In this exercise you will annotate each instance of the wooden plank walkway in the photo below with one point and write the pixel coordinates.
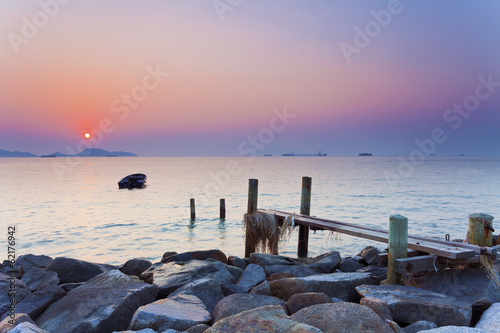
(437, 247)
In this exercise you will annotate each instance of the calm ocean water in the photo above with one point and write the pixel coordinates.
(82, 213)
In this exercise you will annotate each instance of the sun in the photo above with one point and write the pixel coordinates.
(87, 135)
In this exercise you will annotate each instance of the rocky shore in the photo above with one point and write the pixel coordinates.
(206, 291)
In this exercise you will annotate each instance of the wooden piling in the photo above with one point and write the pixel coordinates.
(222, 209)
(480, 229)
(398, 244)
(253, 186)
(193, 212)
(305, 209)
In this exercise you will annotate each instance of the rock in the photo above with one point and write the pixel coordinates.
(378, 272)
(16, 271)
(178, 312)
(135, 266)
(328, 262)
(34, 262)
(350, 265)
(490, 320)
(5, 326)
(379, 306)
(295, 270)
(271, 318)
(70, 286)
(173, 275)
(198, 328)
(252, 276)
(454, 329)
(370, 255)
(27, 327)
(237, 303)
(207, 290)
(22, 291)
(74, 270)
(103, 304)
(342, 317)
(168, 254)
(237, 262)
(234, 271)
(264, 259)
(421, 325)
(197, 255)
(146, 330)
(409, 305)
(262, 289)
(299, 301)
(40, 279)
(40, 300)
(471, 285)
(231, 288)
(279, 276)
(340, 285)
(395, 327)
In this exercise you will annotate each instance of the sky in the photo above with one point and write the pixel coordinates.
(240, 77)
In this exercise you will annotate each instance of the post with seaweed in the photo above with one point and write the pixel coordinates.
(253, 186)
(480, 229)
(222, 210)
(305, 209)
(193, 213)
(398, 244)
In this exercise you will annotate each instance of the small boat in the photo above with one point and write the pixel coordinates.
(365, 154)
(136, 180)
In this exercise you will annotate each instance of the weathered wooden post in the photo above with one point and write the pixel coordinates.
(222, 210)
(398, 244)
(305, 209)
(253, 186)
(193, 213)
(480, 229)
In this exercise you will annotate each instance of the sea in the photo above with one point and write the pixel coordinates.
(72, 207)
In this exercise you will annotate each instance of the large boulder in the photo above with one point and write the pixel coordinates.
(379, 306)
(40, 279)
(74, 270)
(252, 276)
(40, 300)
(271, 318)
(299, 301)
(409, 305)
(342, 317)
(27, 327)
(262, 289)
(420, 326)
(369, 255)
(8, 323)
(34, 262)
(103, 304)
(339, 285)
(173, 275)
(471, 285)
(135, 266)
(490, 320)
(237, 303)
(197, 255)
(8, 283)
(231, 288)
(178, 312)
(327, 262)
(264, 259)
(207, 290)
(350, 265)
(237, 262)
(295, 270)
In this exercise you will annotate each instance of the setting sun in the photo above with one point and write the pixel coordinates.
(87, 135)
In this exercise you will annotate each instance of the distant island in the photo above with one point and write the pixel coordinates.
(91, 152)
(365, 154)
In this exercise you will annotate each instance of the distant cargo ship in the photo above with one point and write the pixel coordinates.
(365, 154)
(320, 153)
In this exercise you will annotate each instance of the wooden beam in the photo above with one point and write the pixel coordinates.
(397, 245)
(305, 209)
(430, 262)
(253, 194)
(382, 257)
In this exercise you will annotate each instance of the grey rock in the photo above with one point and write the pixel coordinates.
(395, 327)
(350, 265)
(340, 285)
(454, 329)
(299, 301)
(135, 266)
(328, 262)
(146, 330)
(105, 303)
(264, 259)
(74, 270)
(342, 317)
(409, 305)
(379, 306)
(198, 328)
(173, 275)
(70, 286)
(231, 288)
(490, 320)
(236, 272)
(18, 318)
(40, 279)
(421, 325)
(252, 276)
(197, 255)
(370, 254)
(237, 303)
(31, 262)
(237, 262)
(295, 270)
(40, 300)
(207, 290)
(262, 289)
(22, 291)
(27, 327)
(167, 255)
(178, 312)
(271, 318)
(378, 272)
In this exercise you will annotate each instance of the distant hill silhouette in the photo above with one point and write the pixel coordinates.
(94, 152)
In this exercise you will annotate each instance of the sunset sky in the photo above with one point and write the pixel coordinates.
(192, 77)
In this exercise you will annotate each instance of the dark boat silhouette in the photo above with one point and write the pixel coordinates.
(136, 180)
